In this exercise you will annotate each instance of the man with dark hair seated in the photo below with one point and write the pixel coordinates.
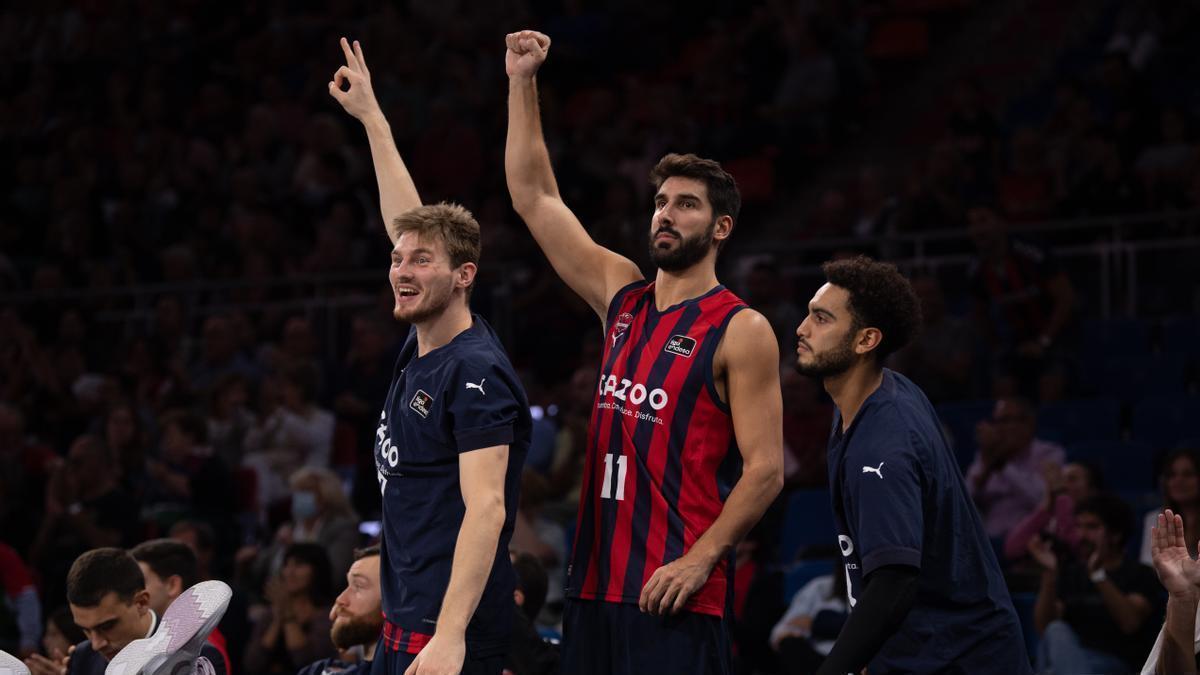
(1099, 610)
(169, 568)
(528, 653)
(110, 603)
(357, 617)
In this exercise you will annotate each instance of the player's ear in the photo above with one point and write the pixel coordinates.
(723, 228)
(868, 339)
(464, 276)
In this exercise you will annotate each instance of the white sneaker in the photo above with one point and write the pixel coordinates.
(11, 665)
(175, 646)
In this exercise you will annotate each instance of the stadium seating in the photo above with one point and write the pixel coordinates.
(1082, 420)
(959, 420)
(1165, 422)
(808, 522)
(801, 573)
(1127, 465)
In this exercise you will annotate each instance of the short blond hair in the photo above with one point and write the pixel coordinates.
(451, 223)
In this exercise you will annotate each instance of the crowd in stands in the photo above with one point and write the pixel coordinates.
(169, 149)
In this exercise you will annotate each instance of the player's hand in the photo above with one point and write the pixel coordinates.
(1042, 552)
(359, 99)
(526, 53)
(1179, 574)
(671, 585)
(40, 665)
(443, 655)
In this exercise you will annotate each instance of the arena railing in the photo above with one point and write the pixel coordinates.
(1106, 255)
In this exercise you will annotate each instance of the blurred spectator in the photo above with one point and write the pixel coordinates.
(21, 611)
(805, 634)
(939, 358)
(169, 568)
(1026, 188)
(528, 653)
(1180, 485)
(975, 130)
(767, 292)
(85, 509)
(61, 634)
(200, 538)
(321, 514)
(1006, 478)
(357, 616)
(27, 464)
(1055, 517)
(1098, 611)
(125, 442)
(297, 347)
(186, 475)
(1023, 303)
(229, 418)
(219, 355)
(806, 420)
(293, 629)
(295, 433)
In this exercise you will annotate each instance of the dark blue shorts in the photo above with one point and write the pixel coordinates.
(612, 638)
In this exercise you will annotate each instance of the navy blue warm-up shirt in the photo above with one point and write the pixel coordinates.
(460, 397)
(899, 499)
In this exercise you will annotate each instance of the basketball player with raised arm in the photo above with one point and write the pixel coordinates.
(685, 440)
(452, 436)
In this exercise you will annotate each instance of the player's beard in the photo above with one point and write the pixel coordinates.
(689, 251)
(435, 298)
(356, 630)
(830, 363)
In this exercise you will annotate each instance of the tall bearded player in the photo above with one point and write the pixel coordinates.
(685, 442)
(452, 437)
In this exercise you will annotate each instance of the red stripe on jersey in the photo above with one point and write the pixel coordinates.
(678, 476)
(627, 531)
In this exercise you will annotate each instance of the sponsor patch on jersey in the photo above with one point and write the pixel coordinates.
(421, 403)
(681, 345)
(620, 326)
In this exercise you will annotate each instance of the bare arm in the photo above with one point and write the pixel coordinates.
(591, 270)
(397, 192)
(481, 476)
(1128, 610)
(1179, 574)
(749, 356)
(1047, 608)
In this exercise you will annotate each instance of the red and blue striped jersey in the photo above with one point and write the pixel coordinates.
(661, 453)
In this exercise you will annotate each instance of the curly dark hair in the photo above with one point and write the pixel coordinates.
(880, 297)
(723, 192)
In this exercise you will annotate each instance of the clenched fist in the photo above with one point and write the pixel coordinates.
(527, 51)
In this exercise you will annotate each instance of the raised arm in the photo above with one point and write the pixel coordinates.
(1179, 574)
(591, 270)
(749, 358)
(397, 193)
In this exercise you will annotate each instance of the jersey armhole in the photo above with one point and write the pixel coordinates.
(615, 303)
(710, 351)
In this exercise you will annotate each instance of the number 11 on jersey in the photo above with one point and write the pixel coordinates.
(606, 490)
